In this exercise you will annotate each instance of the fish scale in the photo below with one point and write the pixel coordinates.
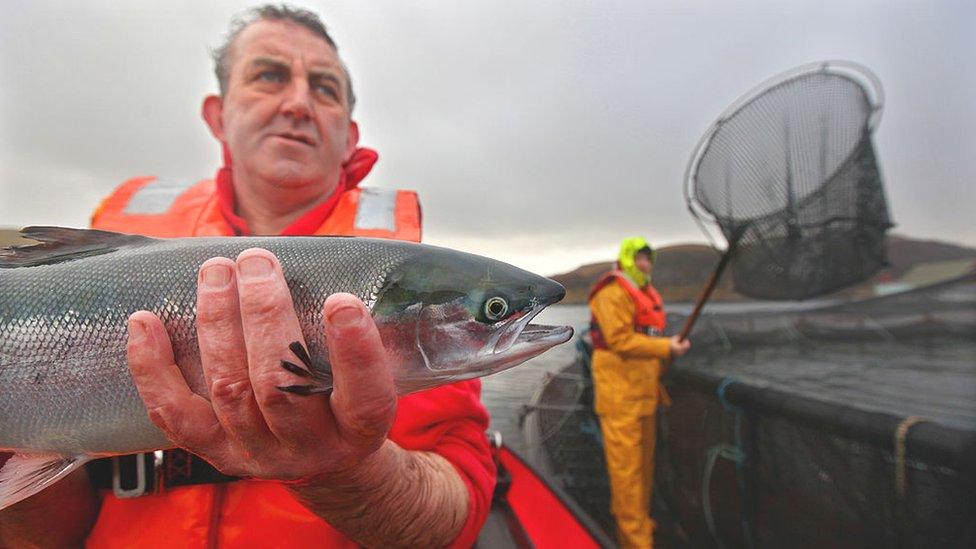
(73, 315)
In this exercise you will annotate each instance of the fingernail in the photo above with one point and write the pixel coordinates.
(255, 267)
(137, 331)
(216, 276)
(346, 316)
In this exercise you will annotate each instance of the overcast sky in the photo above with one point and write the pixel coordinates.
(536, 132)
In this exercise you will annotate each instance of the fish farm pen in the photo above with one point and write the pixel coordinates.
(846, 425)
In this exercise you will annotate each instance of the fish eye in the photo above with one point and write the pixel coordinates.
(496, 308)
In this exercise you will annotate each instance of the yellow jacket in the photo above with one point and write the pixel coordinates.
(625, 377)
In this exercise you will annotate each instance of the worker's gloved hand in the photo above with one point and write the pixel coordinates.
(679, 346)
(245, 323)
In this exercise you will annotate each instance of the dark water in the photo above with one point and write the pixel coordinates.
(933, 378)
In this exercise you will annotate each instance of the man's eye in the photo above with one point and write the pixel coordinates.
(270, 76)
(328, 91)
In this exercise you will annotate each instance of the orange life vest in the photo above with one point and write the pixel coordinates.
(173, 208)
(649, 315)
(244, 513)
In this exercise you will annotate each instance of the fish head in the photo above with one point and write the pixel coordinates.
(447, 316)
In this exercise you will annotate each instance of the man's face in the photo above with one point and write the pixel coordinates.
(285, 112)
(643, 262)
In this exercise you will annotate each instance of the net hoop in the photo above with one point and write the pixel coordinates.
(858, 74)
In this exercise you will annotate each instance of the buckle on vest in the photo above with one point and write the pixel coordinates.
(649, 330)
(137, 475)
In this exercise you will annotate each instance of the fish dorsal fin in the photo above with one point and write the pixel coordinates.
(23, 475)
(60, 244)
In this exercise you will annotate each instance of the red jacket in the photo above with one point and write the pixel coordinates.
(448, 420)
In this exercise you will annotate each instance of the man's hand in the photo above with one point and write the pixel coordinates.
(333, 448)
(679, 346)
(245, 323)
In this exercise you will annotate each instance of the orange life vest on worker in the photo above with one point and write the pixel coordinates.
(649, 315)
(242, 513)
(172, 208)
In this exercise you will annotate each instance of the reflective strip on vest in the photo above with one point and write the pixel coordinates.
(376, 209)
(157, 196)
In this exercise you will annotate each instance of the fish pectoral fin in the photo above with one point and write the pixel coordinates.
(305, 390)
(295, 369)
(301, 352)
(23, 475)
(319, 372)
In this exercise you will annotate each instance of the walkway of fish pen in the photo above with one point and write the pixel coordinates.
(852, 425)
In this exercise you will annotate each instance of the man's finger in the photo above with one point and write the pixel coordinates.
(223, 353)
(270, 325)
(364, 396)
(185, 417)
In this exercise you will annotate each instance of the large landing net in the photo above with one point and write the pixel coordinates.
(789, 176)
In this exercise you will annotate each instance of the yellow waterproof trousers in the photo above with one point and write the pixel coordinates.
(628, 443)
(627, 393)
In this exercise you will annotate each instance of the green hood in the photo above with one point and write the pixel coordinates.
(628, 250)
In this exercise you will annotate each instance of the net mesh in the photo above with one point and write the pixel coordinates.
(790, 178)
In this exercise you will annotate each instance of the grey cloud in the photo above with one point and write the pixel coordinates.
(553, 123)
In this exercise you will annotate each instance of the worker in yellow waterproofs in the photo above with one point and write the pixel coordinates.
(630, 350)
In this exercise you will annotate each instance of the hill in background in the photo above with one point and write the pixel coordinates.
(10, 237)
(681, 271)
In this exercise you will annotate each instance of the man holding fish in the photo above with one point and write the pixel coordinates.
(324, 457)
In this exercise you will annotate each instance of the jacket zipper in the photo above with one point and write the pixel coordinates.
(213, 532)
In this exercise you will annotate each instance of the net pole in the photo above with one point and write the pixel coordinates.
(707, 292)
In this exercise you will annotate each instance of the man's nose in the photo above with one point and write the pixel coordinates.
(297, 100)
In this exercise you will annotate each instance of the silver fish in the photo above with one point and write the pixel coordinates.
(65, 391)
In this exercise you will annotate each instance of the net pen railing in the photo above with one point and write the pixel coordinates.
(945, 308)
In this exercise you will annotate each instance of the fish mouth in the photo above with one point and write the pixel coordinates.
(531, 341)
(484, 350)
(519, 332)
(518, 342)
(543, 335)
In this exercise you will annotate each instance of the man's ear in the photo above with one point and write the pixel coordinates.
(212, 111)
(352, 140)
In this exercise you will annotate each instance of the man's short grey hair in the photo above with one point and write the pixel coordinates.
(273, 12)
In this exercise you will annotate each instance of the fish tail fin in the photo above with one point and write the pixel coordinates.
(23, 475)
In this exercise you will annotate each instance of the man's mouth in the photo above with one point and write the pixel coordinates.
(299, 137)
